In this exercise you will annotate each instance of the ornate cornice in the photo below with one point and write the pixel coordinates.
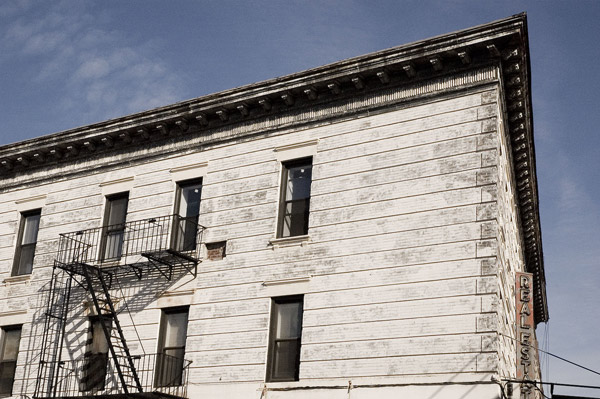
(414, 70)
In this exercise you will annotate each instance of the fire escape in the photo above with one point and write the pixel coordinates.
(93, 263)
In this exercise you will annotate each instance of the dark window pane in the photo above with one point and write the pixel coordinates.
(285, 360)
(298, 185)
(117, 212)
(295, 221)
(288, 320)
(11, 338)
(7, 377)
(26, 259)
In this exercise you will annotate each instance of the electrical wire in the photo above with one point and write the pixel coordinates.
(551, 354)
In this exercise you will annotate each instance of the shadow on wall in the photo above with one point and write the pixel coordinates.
(129, 294)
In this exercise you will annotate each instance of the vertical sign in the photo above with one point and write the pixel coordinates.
(525, 327)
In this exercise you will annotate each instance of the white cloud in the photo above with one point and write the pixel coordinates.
(99, 72)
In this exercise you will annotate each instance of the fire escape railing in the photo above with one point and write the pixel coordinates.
(95, 376)
(156, 238)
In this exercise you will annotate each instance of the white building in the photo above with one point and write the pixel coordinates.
(351, 231)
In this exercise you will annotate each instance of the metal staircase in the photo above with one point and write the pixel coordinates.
(151, 247)
(117, 345)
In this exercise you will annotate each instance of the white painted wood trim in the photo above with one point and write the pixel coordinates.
(285, 287)
(170, 299)
(187, 172)
(117, 186)
(13, 317)
(302, 240)
(26, 204)
(296, 150)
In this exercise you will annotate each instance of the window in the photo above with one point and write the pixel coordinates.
(171, 347)
(28, 232)
(93, 375)
(11, 338)
(114, 226)
(295, 198)
(187, 209)
(284, 341)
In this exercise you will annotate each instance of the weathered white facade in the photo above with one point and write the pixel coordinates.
(423, 206)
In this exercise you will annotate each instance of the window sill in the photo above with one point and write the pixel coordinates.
(289, 241)
(21, 279)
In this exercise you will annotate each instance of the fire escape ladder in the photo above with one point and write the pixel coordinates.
(56, 312)
(115, 339)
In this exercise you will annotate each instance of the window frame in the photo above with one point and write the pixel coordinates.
(285, 168)
(106, 228)
(19, 248)
(160, 359)
(3, 330)
(271, 354)
(177, 218)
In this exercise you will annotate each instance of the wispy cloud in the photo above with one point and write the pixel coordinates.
(96, 71)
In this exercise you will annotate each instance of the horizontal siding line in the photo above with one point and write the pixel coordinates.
(403, 148)
(154, 194)
(227, 365)
(304, 326)
(366, 235)
(404, 180)
(398, 122)
(401, 337)
(362, 130)
(235, 223)
(138, 186)
(341, 272)
(44, 214)
(366, 287)
(226, 317)
(232, 349)
(400, 356)
(425, 130)
(405, 213)
(371, 235)
(405, 164)
(234, 208)
(238, 193)
(255, 330)
(246, 177)
(404, 231)
(456, 334)
(312, 257)
(348, 289)
(213, 171)
(345, 378)
(403, 301)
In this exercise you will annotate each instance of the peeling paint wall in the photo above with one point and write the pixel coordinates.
(402, 272)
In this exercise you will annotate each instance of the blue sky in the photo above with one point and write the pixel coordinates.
(65, 64)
